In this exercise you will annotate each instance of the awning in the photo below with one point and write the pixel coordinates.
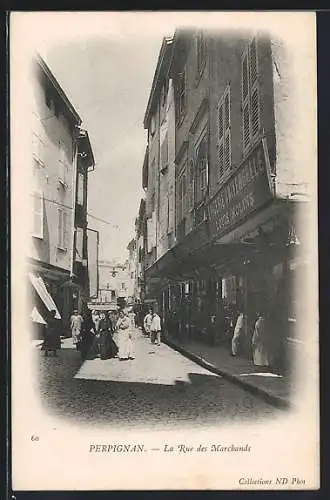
(43, 293)
(36, 317)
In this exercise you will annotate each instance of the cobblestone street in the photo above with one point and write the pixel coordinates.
(159, 387)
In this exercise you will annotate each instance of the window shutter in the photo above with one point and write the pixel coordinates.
(220, 122)
(79, 244)
(255, 112)
(227, 112)
(80, 197)
(38, 215)
(60, 228)
(227, 162)
(245, 77)
(246, 124)
(164, 152)
(65, 230)
(221, 158)
(253, 62)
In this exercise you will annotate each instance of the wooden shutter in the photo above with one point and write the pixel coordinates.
(221, 158)
(220, 121)
(226, 111)
(227, 161)
(65, 231)
(253, 62)
(164, 152)
(246, 124)
(38, 215)
(255, 112)
(79, 244)
(80, 197)
(60, 228)
(245, 77)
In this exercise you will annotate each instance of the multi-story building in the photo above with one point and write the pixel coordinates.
(141, 246)
(238, 181)
(62, 155)
(159, 164)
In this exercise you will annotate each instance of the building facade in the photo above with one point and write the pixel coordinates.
(116, 285)
(58, 281)
(241, 189)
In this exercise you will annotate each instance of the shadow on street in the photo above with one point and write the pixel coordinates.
(201, 398)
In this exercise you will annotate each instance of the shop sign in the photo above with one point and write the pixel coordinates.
(246, 191)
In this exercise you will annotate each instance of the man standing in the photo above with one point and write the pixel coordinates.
(155, 329)
(76, 324)
(147, 322)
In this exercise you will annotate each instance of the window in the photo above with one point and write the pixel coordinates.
(108, 286)
(201, 184)
(182, 196)
(164, 153)
(223, 133)
(181, 95)
(163, 101)
(201, 52)
(38, 215)
(123, 286)
(152, 125)
(62, 229)
(113, 294)
(79, 243)
(38, 149)
(48, 99)
(63, 163)
(80, 194)
(250, 96)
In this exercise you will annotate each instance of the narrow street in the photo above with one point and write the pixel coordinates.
(159, 387)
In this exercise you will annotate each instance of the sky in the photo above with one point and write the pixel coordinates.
(108, 80)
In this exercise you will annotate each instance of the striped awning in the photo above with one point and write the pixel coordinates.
(41, 289)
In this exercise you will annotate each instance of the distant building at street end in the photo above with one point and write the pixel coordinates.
(116, 285)
(61, 159)
(220, 118)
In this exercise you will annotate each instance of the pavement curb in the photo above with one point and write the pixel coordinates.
(267, 396)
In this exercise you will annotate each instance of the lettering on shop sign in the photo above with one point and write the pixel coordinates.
(248, 189)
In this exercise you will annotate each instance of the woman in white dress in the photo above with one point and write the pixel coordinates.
(259, 344)
(124, 337)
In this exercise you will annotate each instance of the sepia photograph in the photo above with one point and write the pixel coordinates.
(164, 251)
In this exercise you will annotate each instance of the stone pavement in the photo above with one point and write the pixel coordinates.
(159, 387)
(274, 388)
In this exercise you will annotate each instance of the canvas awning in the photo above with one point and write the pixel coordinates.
(40, 287)
(36, 317)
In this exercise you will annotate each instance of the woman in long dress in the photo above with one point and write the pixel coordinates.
(259, 344)
(52, 340)
(107, 347)
(87, 335)
(124, 337)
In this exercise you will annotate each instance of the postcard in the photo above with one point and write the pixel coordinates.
(164, 251)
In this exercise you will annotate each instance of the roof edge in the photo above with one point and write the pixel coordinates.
(49, 74)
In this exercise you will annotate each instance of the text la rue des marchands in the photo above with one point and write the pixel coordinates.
(169, 448)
